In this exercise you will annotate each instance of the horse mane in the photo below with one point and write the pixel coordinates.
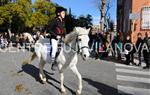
(74, 33)
(69, 37)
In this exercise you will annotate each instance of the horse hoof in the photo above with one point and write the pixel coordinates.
(44, 80)
(77, 93)
(63, 93)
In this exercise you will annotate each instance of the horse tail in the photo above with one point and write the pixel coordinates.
(30, 59)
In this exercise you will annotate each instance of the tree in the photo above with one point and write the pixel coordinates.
(103, 6)
(21, 15)
(70, 22)
(15, 15)
(111, 25)
(103, 3)
(6, 15)
(21, 18)
(3, 2)
(89, 20)
(43, 12)
(84, 21)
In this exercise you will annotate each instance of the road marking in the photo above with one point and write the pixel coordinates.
(133, 79)
(123, 65)
(133, 90)
(133, 71)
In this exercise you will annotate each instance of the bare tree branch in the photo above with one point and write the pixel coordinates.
(104, 7)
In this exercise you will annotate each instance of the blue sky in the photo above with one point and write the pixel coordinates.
(84, 7)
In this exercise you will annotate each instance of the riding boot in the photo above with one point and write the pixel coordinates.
(54, 64)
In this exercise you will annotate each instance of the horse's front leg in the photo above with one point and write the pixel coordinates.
(41, 73)
(76, 72)
(63, 90)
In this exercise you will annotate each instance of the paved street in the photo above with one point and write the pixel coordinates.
(100, 77)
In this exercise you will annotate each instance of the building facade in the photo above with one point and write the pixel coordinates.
(133, 17)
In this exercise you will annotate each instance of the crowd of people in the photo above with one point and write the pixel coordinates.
(141, 47)
(104, 44)
(18, 39)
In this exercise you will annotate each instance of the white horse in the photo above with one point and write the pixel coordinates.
(29, 37)
(74, 42)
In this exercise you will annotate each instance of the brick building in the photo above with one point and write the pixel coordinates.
(133, 17)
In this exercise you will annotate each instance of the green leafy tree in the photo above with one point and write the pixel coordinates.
(21, 16)
(39, 20)
(6, 14)
(15, 15)
(43, 12)
(89, 20)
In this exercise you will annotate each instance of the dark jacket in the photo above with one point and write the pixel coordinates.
(139, 44)
(56, 27)
(147, 42)
(128, 45)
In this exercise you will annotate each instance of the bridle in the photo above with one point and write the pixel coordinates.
(77, 41)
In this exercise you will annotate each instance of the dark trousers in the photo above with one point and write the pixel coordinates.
(146, 56)
(139, 55)
(129, 58)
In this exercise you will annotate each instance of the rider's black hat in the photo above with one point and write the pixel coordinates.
(60, 9)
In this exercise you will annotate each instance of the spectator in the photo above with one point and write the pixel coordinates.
(146, 52)
(119, 44)
(2, 44)
(6, 39)
(92, 36)
(129, 49)
(117, 41)
(139, 47)
(21, 40)
(13, 39)
(17, 40)
(92, 43)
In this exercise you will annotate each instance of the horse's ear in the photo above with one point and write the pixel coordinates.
(76, 29)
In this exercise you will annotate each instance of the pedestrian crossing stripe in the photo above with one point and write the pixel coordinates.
(133, 71)
(128, 90)
(123, 65)
(133, 79)
(132, 90)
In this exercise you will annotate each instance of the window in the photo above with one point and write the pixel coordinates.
(145, 21)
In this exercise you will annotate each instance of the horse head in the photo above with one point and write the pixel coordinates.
(83, 39)
(81, 36)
